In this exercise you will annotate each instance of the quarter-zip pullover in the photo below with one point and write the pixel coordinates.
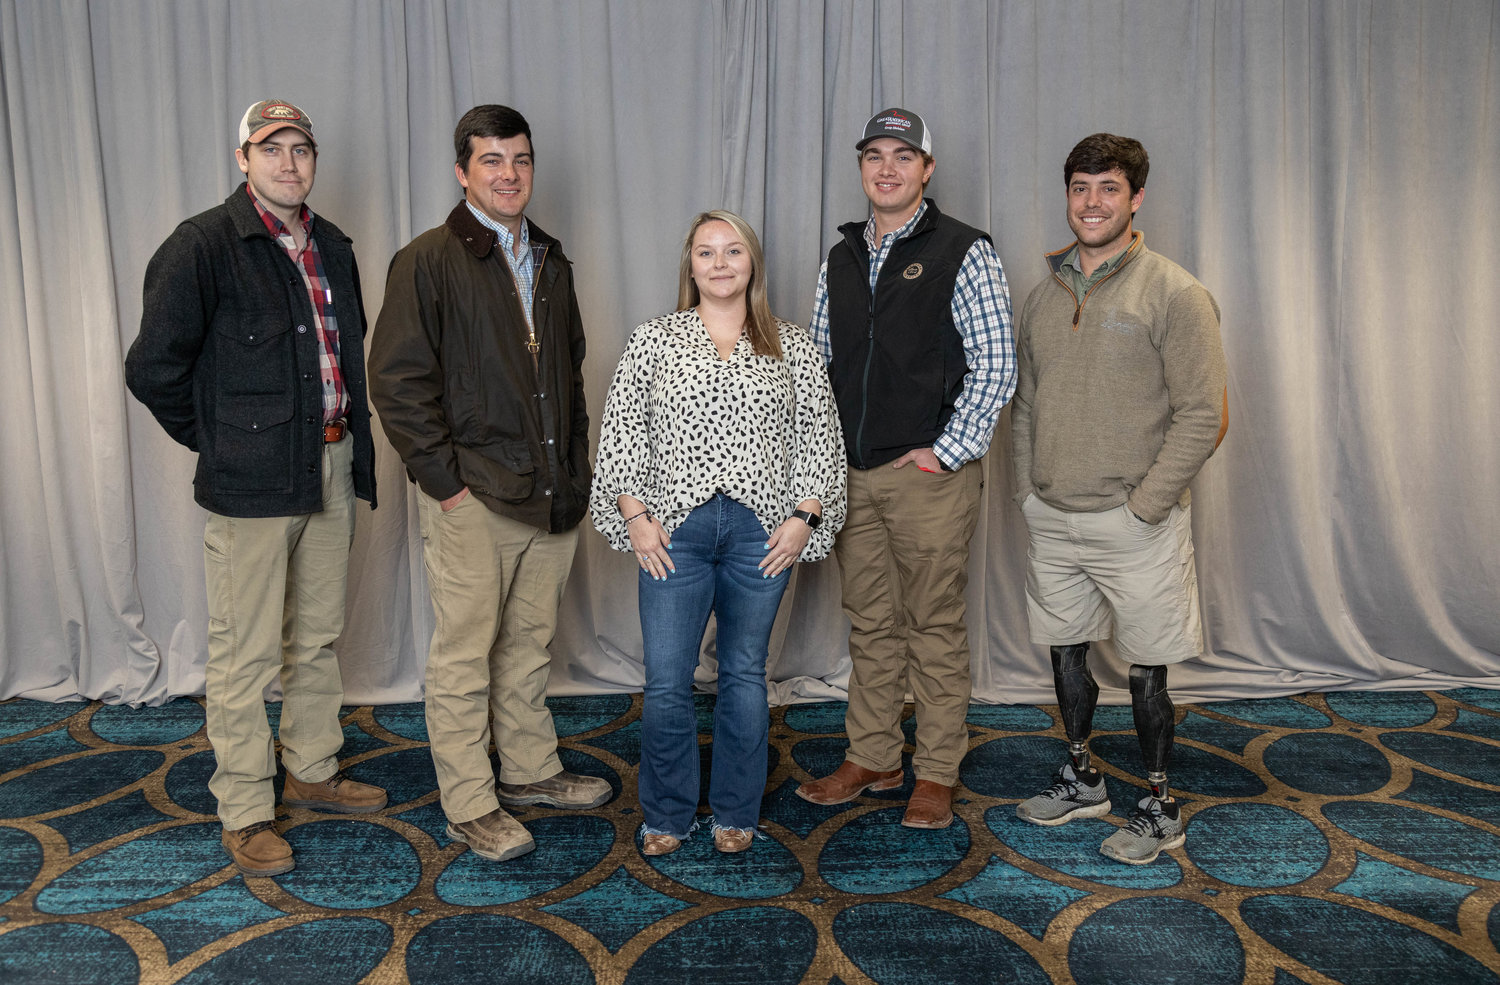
(1121, 392)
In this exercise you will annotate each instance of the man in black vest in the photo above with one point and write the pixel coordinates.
(913, 315)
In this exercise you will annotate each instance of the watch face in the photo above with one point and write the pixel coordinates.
(810, 518)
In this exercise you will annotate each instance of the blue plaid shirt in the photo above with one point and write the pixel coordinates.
(523, 268)
(981, 312)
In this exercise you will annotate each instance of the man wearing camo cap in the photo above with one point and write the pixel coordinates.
(251, 353)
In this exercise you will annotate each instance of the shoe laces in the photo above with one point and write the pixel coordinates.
(336, 779)
(1062, 788)
(251, 830)
(1147, 818)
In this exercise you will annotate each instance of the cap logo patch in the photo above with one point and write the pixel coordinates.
(280, 111)
(912, 272)
(895, 122)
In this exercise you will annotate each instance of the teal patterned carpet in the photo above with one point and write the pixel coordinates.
(1349, 838)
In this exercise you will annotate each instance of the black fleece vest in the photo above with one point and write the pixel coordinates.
(898, 360)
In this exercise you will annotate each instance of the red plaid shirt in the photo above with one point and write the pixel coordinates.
(309, 263)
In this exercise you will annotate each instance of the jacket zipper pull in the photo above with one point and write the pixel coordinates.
(1077, 310)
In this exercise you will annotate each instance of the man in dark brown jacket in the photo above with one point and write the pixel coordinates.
(476, 372)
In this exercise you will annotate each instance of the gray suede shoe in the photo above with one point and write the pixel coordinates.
(565, 790)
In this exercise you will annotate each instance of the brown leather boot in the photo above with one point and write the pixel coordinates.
(564, 790)
(337, 794)
(846, 783)
(496, 836)
(659, 844)
(731, 841)
(257, 850)
(931, 806)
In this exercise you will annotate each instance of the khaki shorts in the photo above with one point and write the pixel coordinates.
(1093, 575)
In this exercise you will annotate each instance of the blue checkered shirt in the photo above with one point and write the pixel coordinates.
(981, 312)
(523, 268)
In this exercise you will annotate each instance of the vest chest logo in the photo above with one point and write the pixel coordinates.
(912, 272)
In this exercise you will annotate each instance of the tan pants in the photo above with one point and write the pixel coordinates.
(275, 605)
(1090, 576)
(495, 584)
(904, 559)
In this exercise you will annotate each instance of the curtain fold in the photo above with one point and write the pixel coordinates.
(1323, 168)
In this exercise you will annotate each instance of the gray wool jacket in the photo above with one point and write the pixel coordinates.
(227, 361)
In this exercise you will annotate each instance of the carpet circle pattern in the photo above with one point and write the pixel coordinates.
(1350, 838)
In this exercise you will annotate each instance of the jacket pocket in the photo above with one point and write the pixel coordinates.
(501, 470)
(254, 351)
(253, 443)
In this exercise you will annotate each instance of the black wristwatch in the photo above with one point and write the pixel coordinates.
(813, 520)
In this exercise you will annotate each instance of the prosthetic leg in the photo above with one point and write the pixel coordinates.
(1078, 790)
(1155, 723)
(1077, 696)
(1156, 823)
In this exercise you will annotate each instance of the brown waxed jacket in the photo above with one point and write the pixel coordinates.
(460, 397)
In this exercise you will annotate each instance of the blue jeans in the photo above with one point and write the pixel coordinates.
(716, 551)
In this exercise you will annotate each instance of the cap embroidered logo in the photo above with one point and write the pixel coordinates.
(280, 111)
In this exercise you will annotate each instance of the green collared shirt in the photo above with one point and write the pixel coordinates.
(1072, 273)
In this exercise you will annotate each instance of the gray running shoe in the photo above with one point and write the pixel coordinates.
(1151, 830)
(1068, 797)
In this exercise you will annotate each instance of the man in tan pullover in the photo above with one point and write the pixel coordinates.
(1120, 399)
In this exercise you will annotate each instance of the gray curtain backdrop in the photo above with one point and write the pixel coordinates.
(1325, 168)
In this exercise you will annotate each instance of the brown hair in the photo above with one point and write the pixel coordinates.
(488, 120)
(759, 322)
(1101, 152)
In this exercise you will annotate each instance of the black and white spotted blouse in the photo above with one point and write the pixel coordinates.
(681, 424)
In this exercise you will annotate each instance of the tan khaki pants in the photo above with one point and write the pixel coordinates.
(904, 559)
(275, 605)
(1090, 576)
(495, 584)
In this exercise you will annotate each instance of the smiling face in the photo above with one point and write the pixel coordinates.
(497, 180)
(280, 171)
(721, 266)
(894, 174)
(1100, 207)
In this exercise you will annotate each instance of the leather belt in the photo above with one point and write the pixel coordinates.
(333, 432)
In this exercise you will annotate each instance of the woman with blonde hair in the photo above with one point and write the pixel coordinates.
(721, 464)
